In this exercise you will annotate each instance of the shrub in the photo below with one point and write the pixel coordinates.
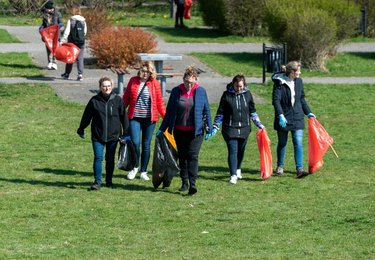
(117, 47)
(238, 17)
(312, 30)
(96, 20)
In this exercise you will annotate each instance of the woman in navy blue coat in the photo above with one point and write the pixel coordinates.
(188, 117)
(288, 99)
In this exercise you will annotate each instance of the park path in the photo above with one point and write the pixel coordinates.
(214, 83)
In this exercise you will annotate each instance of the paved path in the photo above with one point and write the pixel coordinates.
(213, 82)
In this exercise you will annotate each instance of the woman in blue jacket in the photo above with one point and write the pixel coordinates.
(236, 110)
(188, 117)
(109, 121)
(288, 99)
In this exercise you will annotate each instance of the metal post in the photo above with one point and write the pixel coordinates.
(120, 84)
(171, 9)
(264, 63)
(163, 80)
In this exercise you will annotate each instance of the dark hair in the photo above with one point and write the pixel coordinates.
(238, 78)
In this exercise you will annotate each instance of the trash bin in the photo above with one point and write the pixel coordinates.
(274, 59)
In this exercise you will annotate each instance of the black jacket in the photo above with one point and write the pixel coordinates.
(281, 101)
(107, 116)
(234, 112)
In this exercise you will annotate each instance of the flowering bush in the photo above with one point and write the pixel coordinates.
(117, 47)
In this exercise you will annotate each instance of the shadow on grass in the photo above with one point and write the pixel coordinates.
(363, 55)
(189, 33)
(19, 66)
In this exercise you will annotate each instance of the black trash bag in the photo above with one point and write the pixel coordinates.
(127, 157)
(165, 162)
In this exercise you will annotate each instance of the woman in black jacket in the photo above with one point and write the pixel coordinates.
(236, 110)
(288, 99)
(109, 121)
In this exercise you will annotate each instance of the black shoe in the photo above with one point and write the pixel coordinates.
(95, 186)
(65, 76)
(109, 185)
(301, 173)
(184, 187)
(192, 190)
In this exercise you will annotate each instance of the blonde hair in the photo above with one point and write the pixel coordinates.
(191, 71)
(105, 78)
(150, 67)
(290, 67)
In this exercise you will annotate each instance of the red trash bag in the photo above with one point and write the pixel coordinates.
(319, 141)
(187, 8)
(67, 52)
(264, 144)
(50, 36)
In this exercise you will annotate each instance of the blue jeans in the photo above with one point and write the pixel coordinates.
(297, 136)
(98, 148)
(236, 150)
(144, 125)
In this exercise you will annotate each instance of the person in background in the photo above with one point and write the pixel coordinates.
(179, 19)
(51, 16)
(288, 99)
(109, 121)
(144, 102)
(75, 20)
(236, 110)
(187, 117)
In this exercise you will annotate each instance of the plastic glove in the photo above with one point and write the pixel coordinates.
(82, 136)
(41, 28)
(159, 132)
(212, 134)
(282, 120)
(311, 115)
(125, 138)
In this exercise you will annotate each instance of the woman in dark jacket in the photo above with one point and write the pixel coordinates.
(236, 110)
(188, 112)
(288, 99)
(109, 121)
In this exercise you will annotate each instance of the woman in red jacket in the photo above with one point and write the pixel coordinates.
(144, 101)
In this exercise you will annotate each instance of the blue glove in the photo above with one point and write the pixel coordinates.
(41, 28)
(125, 138)
(282, 121)
(212, 134)
(311, 115)
(159, 132)
(82, 136)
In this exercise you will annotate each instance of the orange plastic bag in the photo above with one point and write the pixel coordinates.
(50, 36)
(319, 141)
(264, 144)
(187, 8)
(67, 52)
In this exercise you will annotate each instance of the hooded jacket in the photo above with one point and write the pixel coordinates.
(234, 112)
(282, 102)
(107, 116)
(202, 114)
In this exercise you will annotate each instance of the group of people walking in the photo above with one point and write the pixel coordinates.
(187, 116)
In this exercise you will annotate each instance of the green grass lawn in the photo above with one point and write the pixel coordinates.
(47, 213)
(17, 64)
(5, 37)
(251, 64)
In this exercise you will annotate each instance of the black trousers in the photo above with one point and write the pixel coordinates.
(188, 146)
(180, 14)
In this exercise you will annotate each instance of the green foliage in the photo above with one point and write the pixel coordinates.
(312, 29)
(237, 17)
(45, 170)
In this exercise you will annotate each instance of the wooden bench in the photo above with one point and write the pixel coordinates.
(159, 59)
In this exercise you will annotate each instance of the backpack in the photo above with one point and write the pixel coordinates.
(77, 32)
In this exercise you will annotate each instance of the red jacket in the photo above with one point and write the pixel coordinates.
(157, 101)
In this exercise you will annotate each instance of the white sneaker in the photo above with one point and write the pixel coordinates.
(144, 176)
(233, 179)
(54, 66)
(49, 66)
(239, 174)
(132, 173)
